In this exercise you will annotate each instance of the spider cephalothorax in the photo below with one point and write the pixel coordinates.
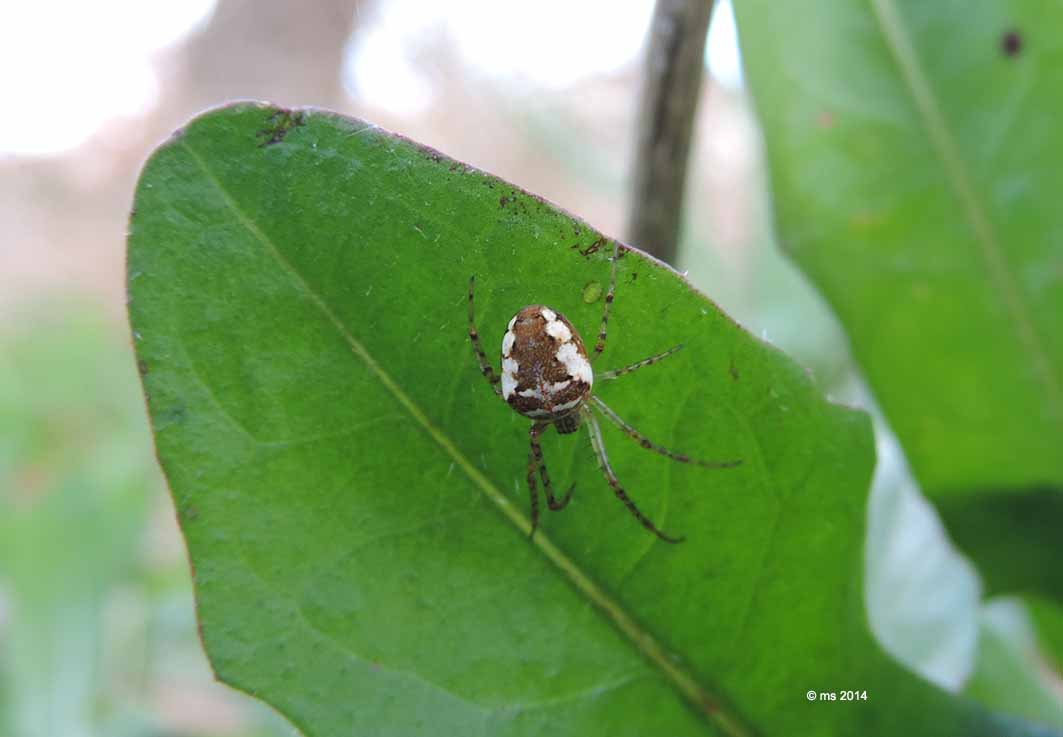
(547, 377)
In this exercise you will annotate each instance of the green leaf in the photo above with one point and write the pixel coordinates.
(1047, 616)
(75, 482)
(1009, 674)
(916, 168)
(352, 492)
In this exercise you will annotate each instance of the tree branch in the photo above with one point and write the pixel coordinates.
(670, 91)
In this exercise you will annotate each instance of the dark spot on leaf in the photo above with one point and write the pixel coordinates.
(504, 200)
(633, 277)
(142, 367)
(1011, 43)
(733, 369)
(709, 706)
(825, 119)
(592, 248)
(278, 125)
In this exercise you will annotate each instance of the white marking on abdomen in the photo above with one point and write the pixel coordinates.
(559, 330)
(509, 377)
(576, 364)
(567, 405)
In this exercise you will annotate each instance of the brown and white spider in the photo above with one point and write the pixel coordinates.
(547, 377)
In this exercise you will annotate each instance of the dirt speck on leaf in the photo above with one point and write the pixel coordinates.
(278, 125)
(591, 249)
(1011, 43)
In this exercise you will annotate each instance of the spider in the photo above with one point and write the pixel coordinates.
(547, 377)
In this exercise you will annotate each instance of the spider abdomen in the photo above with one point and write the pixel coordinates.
(545, 370)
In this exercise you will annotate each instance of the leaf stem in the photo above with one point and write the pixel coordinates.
(671, 86)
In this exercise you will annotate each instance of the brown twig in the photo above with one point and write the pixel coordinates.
(670, 91)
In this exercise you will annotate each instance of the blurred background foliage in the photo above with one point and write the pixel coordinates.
(97, 627)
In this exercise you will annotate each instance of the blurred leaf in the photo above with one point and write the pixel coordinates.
(352, 493)
(1008, 674)
(1015, 539)
(922, 596)
(75, 473)
(1048, 620)
(915, 162)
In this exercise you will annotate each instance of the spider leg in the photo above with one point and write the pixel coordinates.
(485, 367)
(533, 492)
(537, 454)
(603, 463)
(650, 445)
(638, 364)
(600, 345)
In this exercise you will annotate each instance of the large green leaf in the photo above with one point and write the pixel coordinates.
(352, 492)
(916, 166)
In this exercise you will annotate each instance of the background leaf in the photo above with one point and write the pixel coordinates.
(352, 493)
(915, 163)
(74, 467)
(1009, 672)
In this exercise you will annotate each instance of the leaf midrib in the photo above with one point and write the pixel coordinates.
(347, 651)
(933, 120)
(707, 704)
